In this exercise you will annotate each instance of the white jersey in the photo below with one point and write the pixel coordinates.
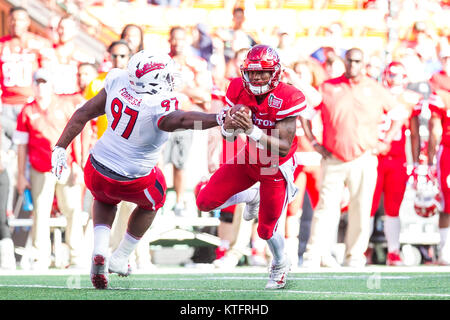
(132, 142)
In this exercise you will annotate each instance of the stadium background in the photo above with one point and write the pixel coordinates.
(377, 30)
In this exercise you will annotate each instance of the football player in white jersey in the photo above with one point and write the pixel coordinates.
(141, 109)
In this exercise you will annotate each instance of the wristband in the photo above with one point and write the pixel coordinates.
(225, 133)
(256, 133)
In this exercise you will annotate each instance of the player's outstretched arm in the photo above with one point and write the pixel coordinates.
(188, 120)
(93, 108)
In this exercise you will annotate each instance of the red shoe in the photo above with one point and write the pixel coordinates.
(99, 274)
(393, 259)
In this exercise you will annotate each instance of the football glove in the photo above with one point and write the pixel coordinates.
(59, 161)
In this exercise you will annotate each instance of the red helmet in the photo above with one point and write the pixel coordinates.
(391, 71)
(427, 199)
(261, 58)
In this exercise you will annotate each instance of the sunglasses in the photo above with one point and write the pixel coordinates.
(114, 56)
(353, 61)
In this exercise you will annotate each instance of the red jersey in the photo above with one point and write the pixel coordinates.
(408, 99)
(18, 61)
(41, 129)
(282, 102)
(440, 80)
(439, 104)
(351, 112)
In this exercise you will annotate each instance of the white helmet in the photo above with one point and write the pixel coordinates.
(427, 201)
(151, 72)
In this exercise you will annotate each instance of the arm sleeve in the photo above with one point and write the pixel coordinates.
(296, 106)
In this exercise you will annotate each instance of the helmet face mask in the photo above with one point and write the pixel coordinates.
(151, 73)
(261, 58)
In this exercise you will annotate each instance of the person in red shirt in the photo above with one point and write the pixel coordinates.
(351, 109)
(21, 53)
(392, 170)
(439, 128)
(268, 154)
(39, 125)
(67, 56)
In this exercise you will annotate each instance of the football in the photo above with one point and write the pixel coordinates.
(238, 107)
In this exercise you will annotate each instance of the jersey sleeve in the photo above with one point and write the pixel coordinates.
(165, 106)
(296, 106)
(234, 90)
(113, 77)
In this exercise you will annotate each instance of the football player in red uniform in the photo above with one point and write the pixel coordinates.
(268, 154)
(392, 176)
(439, 127)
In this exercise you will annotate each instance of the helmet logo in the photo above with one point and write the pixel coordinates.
(149, 67)
(253, 66)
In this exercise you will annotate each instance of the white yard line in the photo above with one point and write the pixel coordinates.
(331, 293)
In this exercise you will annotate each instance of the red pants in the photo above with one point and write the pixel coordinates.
(443, 169)
(231, 179)
(392, 178)
(147, 192)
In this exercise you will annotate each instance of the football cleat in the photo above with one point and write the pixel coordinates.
(251, 209)
(394, 259)
(278, 275)
(119, 266)
(99, 276)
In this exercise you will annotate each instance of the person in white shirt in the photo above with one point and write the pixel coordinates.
(141, 109)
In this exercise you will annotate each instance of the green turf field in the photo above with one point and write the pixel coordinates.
(377, 284)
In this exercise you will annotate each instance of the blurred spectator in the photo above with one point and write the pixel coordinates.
(392, 175)
(334, 65)
(374, 67)
(193, 92)
(440, 80)
(236, 37)
(418, 53)
(7, 257)
(64, 65)
(87, 72)
(307, 173)
(351, 109)
(39, 125)
(332, 43)
(134, 35)
(202, 44)
(439, 155)
(21, 53)
(165, 3)
(119, 54)
(233, 66)
(310, 70)
(285, 47)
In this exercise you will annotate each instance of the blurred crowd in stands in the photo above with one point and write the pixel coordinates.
(44, 79)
